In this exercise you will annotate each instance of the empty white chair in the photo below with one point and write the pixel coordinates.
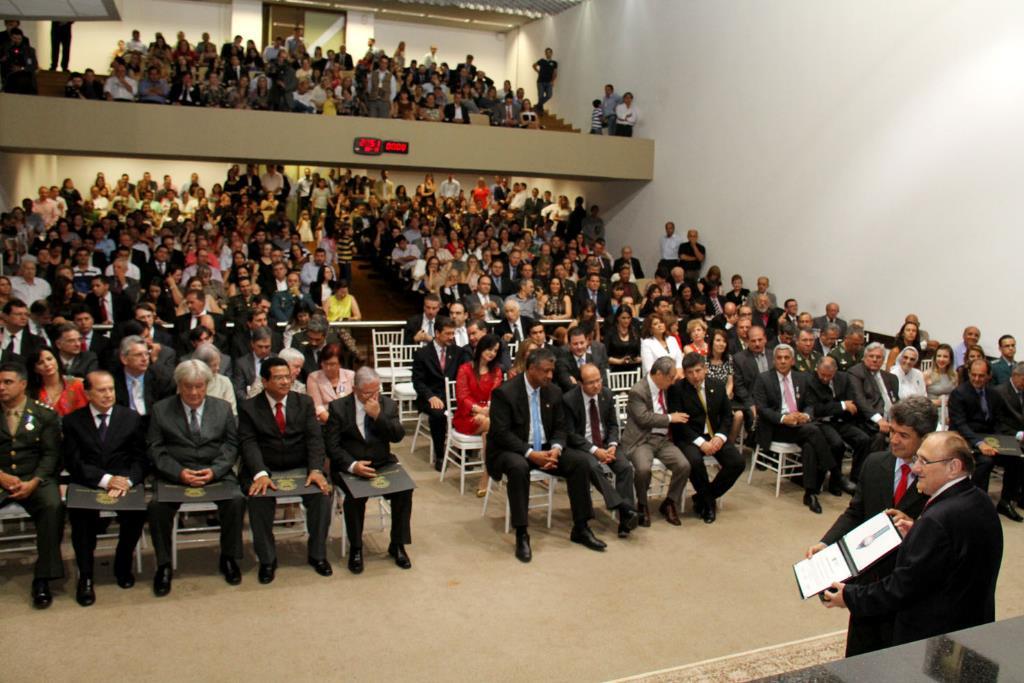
(781, 458)
(547, 497)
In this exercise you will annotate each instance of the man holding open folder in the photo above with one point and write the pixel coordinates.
(886, 483)
(278, 431)
(104, 448)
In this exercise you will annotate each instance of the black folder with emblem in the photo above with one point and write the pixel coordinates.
(290, 483)
(1004, 443)
(211, 493)
(87, 498)
(389, 479)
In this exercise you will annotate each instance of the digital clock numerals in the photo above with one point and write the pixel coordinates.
(376, 147)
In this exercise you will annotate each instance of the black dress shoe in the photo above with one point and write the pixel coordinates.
(84, 594)
(628, 520)
(668, 509)
(41, 596)
(710, 512)
(523, 552)
(162, 581)
(645, 516)
(355, 560)
(1007, 509)
(266, 572)
(397, 551)
(698, 504)
(811, 501)
(583, 535)
(229, 568)
(322, 567)
(126, 580)
(848, 486)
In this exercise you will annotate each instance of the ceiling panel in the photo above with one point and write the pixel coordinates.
(62, 10)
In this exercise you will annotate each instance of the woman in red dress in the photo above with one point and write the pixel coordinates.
(473, 386)
(48, 384)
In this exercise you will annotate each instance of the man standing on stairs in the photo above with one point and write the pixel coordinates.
(547, 73)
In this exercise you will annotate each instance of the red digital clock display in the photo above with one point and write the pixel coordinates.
(376, 147)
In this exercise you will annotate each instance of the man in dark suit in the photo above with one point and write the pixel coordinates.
(30, 448)
(948, 564)
(195, 302)
(432, 365)
(455, 111)
(77, 363)
(104, 448)
(501, 282)
(360, 428)
(241, 341)
(748, 365)
(874, 392)
(1009, 409)
(528, 432)
(831, 317)
(106, 307)
(193, 441)
(972, 413)
(627, 258)
(491, 304)
(887, 482)
(835, 412)
(580, 351)
(137, 383)
(92, 340)
(420, 328)
(278, 431)
(592, 292)
(593, 431)
(514, 327)
(705, 434)
(784, 414)
(16, 342)
(766, 315)
(247, 367)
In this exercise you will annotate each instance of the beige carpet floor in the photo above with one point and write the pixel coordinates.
(467, 611)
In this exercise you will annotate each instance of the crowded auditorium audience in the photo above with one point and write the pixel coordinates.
(148, 309)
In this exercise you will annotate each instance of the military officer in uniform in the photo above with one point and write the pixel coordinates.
(851, 351)
(807, 357)
(29, 464)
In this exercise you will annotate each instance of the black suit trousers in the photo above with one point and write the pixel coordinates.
(815, 453)
(47, 513)
(731, 465)
(571, 466)
(1011, 465)
(438, 422)
(230, 514)
(618, 490)
(318, 523)
(85, 526)
(839, 436)
(401, 516)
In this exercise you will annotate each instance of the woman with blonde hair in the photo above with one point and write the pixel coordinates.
(697, 331)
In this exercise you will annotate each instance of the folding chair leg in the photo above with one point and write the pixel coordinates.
(753, 464)
(174, 542)
(551, 498)
(778, 475)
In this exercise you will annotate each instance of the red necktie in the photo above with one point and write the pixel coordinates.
(440, 359)
(661, 402)
(85, 345)
(901, 488)
(279, 417)
(103, 310)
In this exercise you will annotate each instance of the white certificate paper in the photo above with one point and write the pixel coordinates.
(820, 571)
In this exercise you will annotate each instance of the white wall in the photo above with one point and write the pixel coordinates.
(865, 152)
(453, 44)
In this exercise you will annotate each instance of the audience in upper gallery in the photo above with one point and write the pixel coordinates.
(286, 77)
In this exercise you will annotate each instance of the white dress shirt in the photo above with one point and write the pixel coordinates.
(105, 479)
(658, 410)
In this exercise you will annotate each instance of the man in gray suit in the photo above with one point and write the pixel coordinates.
(831, 317)
(647, 437)
(247, 367)
(77, 363)
(192, 441)
(578, 353)
(874, 392)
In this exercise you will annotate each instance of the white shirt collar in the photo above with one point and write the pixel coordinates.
(199, 410)
(273, 401)
(96, 414)
(947, 485)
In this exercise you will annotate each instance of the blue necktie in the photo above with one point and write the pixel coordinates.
(535, 421)
(367, 428)
(984, 403)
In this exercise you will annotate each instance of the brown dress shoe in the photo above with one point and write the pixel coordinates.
(645, 515)
(668, 508)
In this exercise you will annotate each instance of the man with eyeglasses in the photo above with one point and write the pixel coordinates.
(947, 566)
(887, 483)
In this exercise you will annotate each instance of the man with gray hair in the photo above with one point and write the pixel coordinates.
(835, 413)
(831, 317)
(139, 385)
(1008, 406)
(784, 414)
(874, 392)
(828, 338)
(296, 361)
(193, 442)
(646, 437)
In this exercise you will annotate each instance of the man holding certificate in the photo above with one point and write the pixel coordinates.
(104, 448)
(278, 432)
(887, 483)
(360, 430)
(946, 568)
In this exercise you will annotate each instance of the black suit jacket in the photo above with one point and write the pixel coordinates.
(867, 395)
(460, 292)
(1009, 411)
(826, 404)
(946, 569)
(345, 445)
(682, 396)
(583, 296)
(634, 263)
(121, 303)
(121, 453)
(155, 386)
(768, 399)
(966, 415)
(427, 377)
(183, 325)
(449, 113)
(745, 374)
(566, 369)
(510, 419)
(264, 447)
(504, 327)
(503, 288)
(577, 414)
(82, 364)
(30, 343)
(414, 325)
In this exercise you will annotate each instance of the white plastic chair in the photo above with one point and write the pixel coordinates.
(623, 380)
(536, 476)
(458, 445)
(382, 516)
(177, 529)
(389, 359)
(782, 458)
